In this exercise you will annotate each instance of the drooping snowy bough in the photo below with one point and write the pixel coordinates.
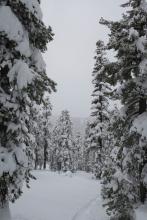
(23, 81)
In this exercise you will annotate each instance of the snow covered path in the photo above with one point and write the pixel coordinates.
(58, 196)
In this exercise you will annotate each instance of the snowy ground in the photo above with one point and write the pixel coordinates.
(141, 213)
(58, 196)
(63, 197)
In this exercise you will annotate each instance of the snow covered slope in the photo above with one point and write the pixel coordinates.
(63, 197)
(58, 196)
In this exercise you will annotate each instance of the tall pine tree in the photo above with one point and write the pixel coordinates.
(100, 102)
(128, 39)
(23, 80)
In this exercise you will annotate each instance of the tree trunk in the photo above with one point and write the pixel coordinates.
(143, 192)
(143, 189)
(45, 155)
(5, 211)
(36, 159)
(142, 105)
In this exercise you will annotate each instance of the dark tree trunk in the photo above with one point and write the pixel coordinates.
(142, 105)
(36, 159)
(143, 192)
(143, 189)
(45, 155)
(4, 203)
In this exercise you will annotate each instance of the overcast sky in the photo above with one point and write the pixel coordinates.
(69, 57)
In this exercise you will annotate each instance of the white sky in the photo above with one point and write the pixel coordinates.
(69, 57)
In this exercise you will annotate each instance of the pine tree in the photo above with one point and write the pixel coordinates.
(46, 130)
(78, 152)
(39, 138)
(100, 114)
(128, 39)
(23, 80)
(62, 144)
(42, 134)
(117, 191)
(33, 129)
(54, 151)
(87, 159)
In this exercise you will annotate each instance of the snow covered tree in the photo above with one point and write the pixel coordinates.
(46, 130)
(43, 134)
(87, 158)
(100, 115)
(78, 152)
(23, 80)
(54, 151)
(128, 39)
(33, 129)
(62, 144)
(117, 191)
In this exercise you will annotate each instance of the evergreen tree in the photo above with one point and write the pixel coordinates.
(62, 144)
(46, 130)
(22, 81)
(117, 190)
(33, 129)
(100, 114)
(42, 134)
(54, 151)
(78, 152)
(39, 138)
(128, 39)
(87, 158)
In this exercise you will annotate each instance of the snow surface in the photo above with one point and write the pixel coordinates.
(11, 26)
(60, 196)
(5, 212)
(141, 213)
(22, 73)
(34, 7)
(67, 196)
(7, 163)
(14, 30)
(140, 124)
